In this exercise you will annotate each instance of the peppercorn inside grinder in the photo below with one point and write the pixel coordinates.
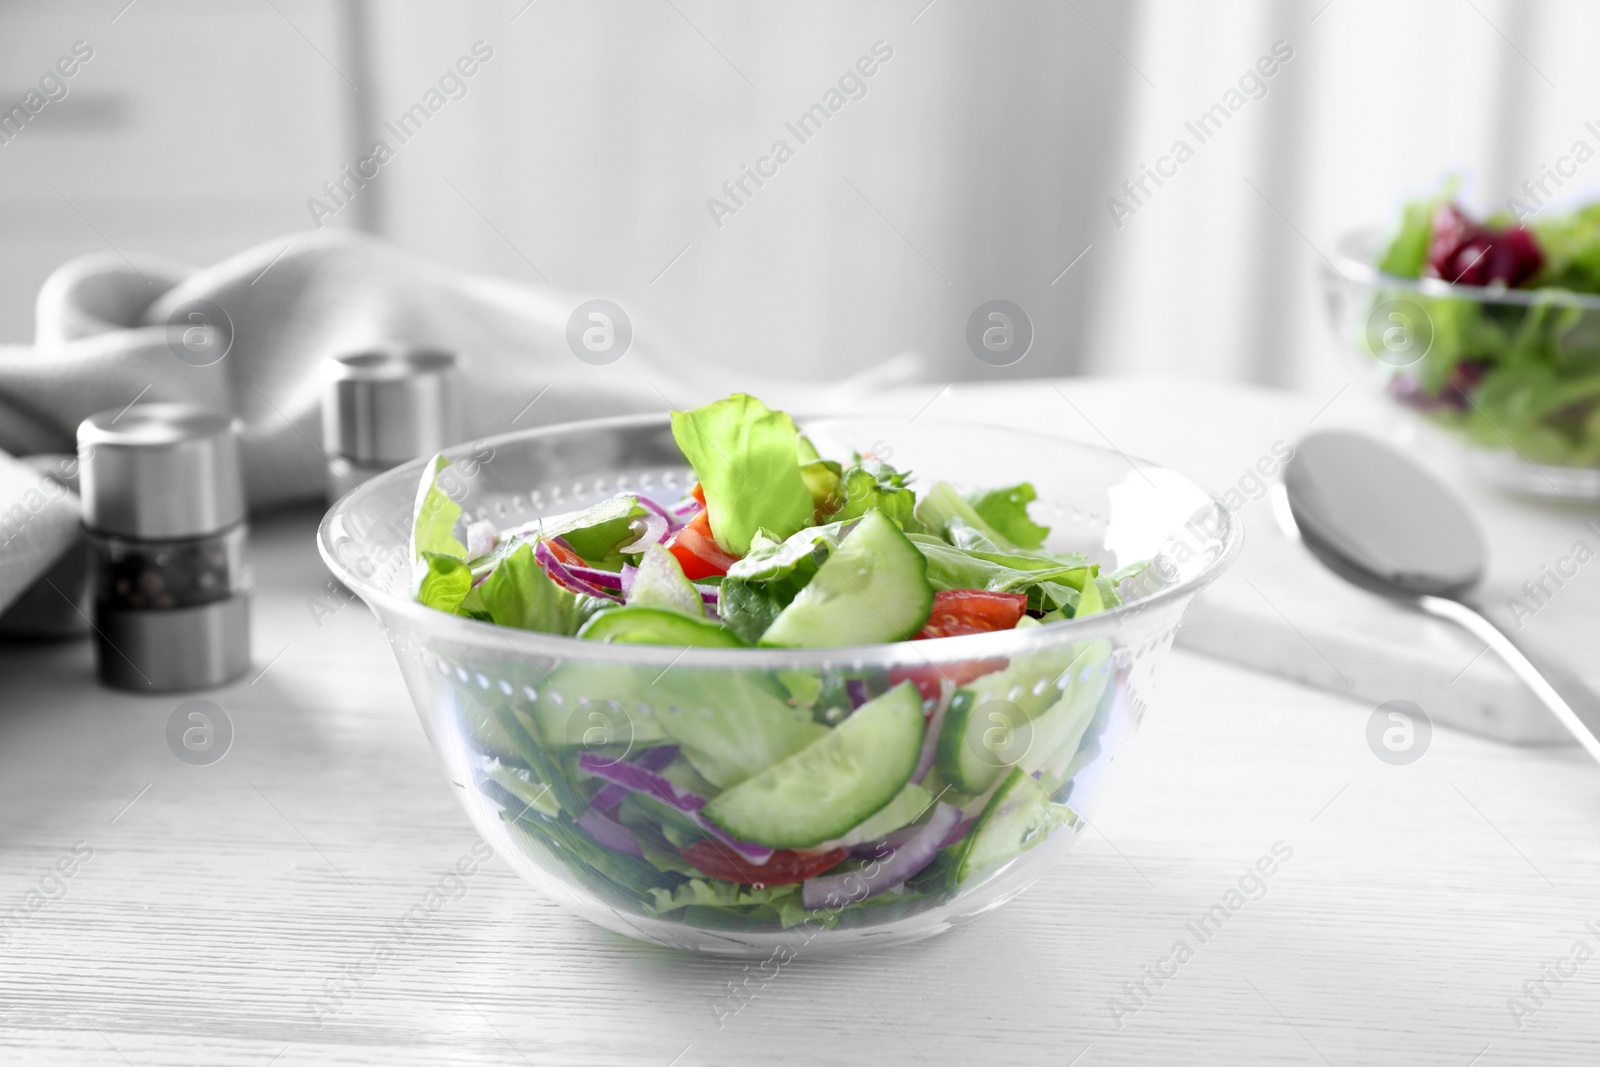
(163, 508)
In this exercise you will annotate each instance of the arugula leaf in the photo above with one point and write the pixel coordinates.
(433, 528)
(747, 460)
(945, 512)
(519, 593)
(1051, 580)
(1006, 510)
(445, 582)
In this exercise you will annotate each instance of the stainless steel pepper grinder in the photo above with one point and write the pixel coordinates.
(383, 407)
(164, 510)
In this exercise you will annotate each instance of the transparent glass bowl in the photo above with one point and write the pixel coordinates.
(489, 697)
(1512, 375)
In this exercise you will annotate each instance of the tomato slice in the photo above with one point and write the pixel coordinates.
(697, 551)
(699, 494)
(561, 552)
(926, 678)
(785, 866)
(972, 611)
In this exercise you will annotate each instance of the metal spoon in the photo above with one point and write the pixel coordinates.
(1379, 520)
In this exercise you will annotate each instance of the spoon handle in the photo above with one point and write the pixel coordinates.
(1568, 697)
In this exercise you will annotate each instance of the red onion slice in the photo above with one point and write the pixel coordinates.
(904, 860)
(609, 832)
(655, 530)
(637, 779)
(673, 524)
(930, 733)
(564, 577)
(652, 759)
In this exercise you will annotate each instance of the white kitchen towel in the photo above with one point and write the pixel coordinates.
(111, 330)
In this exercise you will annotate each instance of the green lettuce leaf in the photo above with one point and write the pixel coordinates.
(1006, 510)
(433, 528)
(445, 582)
(1051, 580)
(747, 460)
(520, 594)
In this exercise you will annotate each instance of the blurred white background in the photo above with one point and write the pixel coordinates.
(978, 164)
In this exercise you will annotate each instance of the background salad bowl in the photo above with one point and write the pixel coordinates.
(556, 744)
(1509, 368)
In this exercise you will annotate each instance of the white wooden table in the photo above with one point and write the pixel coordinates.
(220, 900)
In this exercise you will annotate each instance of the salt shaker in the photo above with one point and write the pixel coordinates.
(164, 511)
(384, 406)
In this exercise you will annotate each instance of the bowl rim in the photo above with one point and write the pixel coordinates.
(933, 651)
(1353, 261)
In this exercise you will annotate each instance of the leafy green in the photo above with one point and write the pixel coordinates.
(759, 586)
(520, 594)
(445, 583)
(946, 513)
(871, 483)
(1051, 580)
(434, 522)
(1006, 511)
(1407, 251)
(747, 460)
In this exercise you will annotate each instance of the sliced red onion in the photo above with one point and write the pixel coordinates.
(673, 525)
(656, 529)
(637, 779)
(652, 759)
(930, 733)
(596, 576)
(905, 860)
(609, 832)
(856, 690)
(564, 576)
(710, 594)
(629, 571)
(481, 536)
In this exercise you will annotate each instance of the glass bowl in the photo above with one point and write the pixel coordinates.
(511, 713)
(1511, 375)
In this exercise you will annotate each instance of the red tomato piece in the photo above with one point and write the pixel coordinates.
(699, 494)
(972, 611)
(786, 866)
(926, 679)
(697, 550)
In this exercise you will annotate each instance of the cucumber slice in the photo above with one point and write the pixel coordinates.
(585, 704)
(731, 724)
(833, 784)
(1018, 816)
(873, 588)
(644, 625)
(990, 725)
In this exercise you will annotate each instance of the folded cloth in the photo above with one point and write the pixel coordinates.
(109, 331)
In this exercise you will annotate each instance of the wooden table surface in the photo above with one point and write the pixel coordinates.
(208, 907)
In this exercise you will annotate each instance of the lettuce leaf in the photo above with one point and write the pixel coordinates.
(1006, 511)
(747, 460)
(433, 527)
(1051, 580)
(946, 513)
(520, 594)
(762, 584)
(445, 581)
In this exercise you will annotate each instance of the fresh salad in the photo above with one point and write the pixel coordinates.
(1523, 373)
(745, 798)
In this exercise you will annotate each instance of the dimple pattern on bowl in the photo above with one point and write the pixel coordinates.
(507, 711)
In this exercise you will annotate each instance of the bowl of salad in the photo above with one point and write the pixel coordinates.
(724, 682)
(1487, 328)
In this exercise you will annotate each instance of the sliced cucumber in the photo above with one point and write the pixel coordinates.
(832, 785)
(990, 725)
(643, 625)
(873, 588)
(731, 724)
(906, 806)
(1058, 731)
(1018, 816)
(590, 704)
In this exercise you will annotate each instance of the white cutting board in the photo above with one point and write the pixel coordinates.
(1277, 609)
